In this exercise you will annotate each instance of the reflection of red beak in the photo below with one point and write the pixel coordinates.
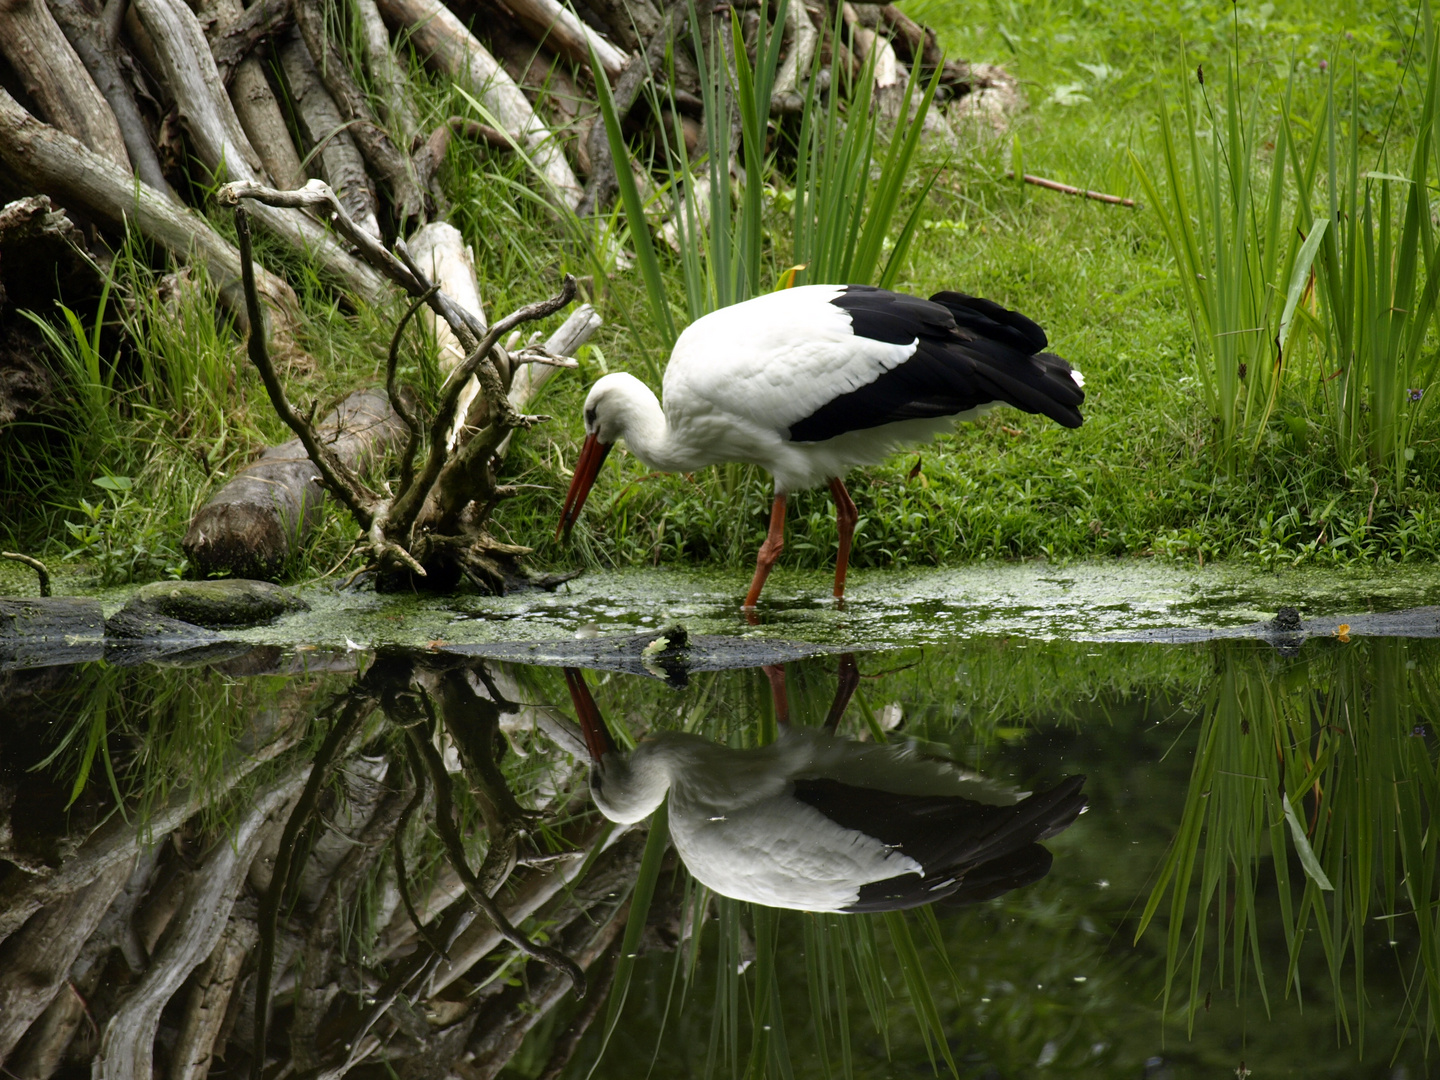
(597, 735)
(587, 467)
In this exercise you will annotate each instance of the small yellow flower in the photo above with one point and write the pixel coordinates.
(1343, 631)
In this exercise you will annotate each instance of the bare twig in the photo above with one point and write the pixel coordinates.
(407, 507)
(412, 444)
(1068, 189)
(601, 186)
(338, 478)
(41, 570)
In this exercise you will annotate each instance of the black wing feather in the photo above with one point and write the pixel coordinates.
(969, 352)
(968, 851)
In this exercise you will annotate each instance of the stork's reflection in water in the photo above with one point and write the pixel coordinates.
(816, 821)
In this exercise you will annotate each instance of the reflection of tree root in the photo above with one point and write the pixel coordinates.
(314, 989)
(402, 879)
(427, 757)
(355, 708)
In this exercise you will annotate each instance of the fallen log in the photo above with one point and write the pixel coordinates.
(330, 146)
(446, 45)
(556, 26)
(48, 160)
(267, 512)
(229, 28)
(92, 38)
(392, 168)
(189, 71)
(56, 80)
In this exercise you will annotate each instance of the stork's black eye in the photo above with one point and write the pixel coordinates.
(591, 417)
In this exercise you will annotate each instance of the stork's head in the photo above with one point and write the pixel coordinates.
(626, 787)
(607, 414)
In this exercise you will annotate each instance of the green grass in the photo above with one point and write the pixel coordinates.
(1142, 477)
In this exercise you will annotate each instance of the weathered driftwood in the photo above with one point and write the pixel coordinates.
(232, 31)
(556, 26)
(393, 169)
(189, 71)
(446, 45)
(35, 962)
(267, 511)
(93, 39)
(396, 100)
(549, 81)
(56, 80)
(127, 1045)
(242, 30)
(331, 150)
(48, 160)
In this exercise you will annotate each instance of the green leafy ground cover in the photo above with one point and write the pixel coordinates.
(1143, 477)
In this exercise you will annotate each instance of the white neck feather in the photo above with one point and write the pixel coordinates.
(631, 411)
(631, 787)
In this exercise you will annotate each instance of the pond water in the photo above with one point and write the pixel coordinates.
(1250, 890)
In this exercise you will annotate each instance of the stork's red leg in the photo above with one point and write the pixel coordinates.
(776, 674)
(769, 551)
(845, 518)
(849, 679)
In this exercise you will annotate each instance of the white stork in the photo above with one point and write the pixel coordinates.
(811, 382)
(817, 822)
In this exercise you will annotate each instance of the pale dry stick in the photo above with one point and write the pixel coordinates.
(56, 79)
(443, 41)
(396, 101)
(188, 71)
(94, 42)
(233, 31)
(318, 196)
(557, 27)
(1070, 189)
(42, 158)
(331, 146)
(41, 570)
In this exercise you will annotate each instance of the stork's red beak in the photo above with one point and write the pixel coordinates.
(587, 467)
(597, 735)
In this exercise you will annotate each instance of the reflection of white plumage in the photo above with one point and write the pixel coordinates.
(821, 823)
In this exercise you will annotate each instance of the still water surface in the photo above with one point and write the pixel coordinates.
(1251, 887)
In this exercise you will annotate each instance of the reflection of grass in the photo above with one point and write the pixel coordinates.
(1323, 766)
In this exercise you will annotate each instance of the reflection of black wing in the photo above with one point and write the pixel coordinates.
(969, 851)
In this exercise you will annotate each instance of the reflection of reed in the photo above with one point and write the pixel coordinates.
(1322, 765)
(262, 911)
